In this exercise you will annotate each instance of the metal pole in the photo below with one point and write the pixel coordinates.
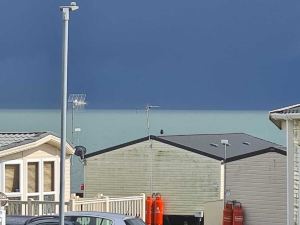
(148, 107)
(73, 122)
(84, 177)
(65, 18)
(150, 145)
(148, 121)
(225, 157)
(290, 171)
(72, 127)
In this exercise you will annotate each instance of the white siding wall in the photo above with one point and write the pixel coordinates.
(259, 183)
(185, 179)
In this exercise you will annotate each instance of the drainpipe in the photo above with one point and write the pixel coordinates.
(290, 171)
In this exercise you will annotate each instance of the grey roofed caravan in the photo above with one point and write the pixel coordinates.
(241, 145)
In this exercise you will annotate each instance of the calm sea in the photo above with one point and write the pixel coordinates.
(104, 128)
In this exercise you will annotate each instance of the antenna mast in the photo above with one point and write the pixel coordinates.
(148, 107)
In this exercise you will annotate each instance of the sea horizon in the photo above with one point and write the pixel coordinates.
(103, 128)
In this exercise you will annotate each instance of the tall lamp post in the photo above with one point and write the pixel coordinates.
(225, 143)
(65, 18)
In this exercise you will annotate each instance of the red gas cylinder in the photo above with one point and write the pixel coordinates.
(158, 210)
(227, 213)
(153, 209)
(238, 214)
(149, 210)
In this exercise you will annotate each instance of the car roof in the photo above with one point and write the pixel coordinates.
(106, 215)
(42, 220)
(21, 220)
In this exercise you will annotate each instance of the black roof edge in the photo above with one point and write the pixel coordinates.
(118, 146)
(187, 148)
(152, 137)
(259, 152)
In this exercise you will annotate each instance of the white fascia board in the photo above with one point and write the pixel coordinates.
(56, 142)
(284, 116)
(53, 140)
(284, 108)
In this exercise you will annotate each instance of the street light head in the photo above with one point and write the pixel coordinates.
(224, 142)
(71, 7)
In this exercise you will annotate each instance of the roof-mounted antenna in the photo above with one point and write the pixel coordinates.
(148, 107)
(77, 101)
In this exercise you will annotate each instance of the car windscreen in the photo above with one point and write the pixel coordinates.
(88, 220)
(48, 221)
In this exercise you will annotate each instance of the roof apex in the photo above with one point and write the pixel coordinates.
(285, 108)
(209, 145)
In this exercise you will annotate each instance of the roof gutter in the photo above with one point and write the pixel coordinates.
(285, 116)
(276, 118)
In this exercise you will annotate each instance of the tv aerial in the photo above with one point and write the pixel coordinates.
(148, 107)
(77, 102)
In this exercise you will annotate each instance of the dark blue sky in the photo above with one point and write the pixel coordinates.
(194, 54)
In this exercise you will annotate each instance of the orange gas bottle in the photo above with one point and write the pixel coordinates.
(227, 213)
(149, 210)
(153, 209)
(238, 214)
(158, 210)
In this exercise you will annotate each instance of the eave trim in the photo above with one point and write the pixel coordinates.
(231, 159)
(256, 153)
(51, 139)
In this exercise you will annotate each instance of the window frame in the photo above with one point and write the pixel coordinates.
(56, 169)
(23, 194)
(21, 177)
(40, 178)
(41, 193)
